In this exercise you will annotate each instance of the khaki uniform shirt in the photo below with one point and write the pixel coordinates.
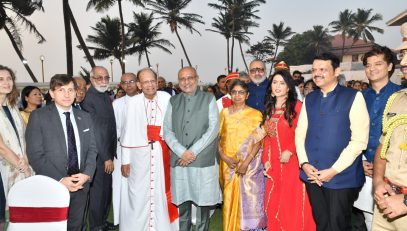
(396, 166)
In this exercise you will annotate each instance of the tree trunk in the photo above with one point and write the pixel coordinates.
(19, 54)
(148, 60)
(183, 48)
(227, 54)
(343, 47)
(275, 57)
(79, 36)
(68, 39)
(244, 61)
(122, 30)
(231, 54)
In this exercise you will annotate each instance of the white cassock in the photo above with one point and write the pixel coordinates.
(144, 206)
(119, 182)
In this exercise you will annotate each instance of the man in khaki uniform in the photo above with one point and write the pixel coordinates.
(390, 169)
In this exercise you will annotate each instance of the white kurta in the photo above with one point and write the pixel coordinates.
(144, 207)
(119, 182)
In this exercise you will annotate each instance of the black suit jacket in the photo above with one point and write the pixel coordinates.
(46, 144)
(100, 109)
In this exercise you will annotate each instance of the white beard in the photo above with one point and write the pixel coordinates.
(259, 81)
(101, 89)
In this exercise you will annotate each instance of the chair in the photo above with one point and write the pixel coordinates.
(38, 203)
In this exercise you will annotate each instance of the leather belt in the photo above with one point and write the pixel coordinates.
(397, 189)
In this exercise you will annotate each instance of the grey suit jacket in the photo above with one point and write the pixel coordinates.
(46, 145)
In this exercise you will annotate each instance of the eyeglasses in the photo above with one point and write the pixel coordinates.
(131, 82)
(401, 55)
(188, 78)
(234, 92)
(254, 70)
(152, 82)
(101, 78)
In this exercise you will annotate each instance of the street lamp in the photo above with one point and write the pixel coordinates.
(111, 68)
(157, 69)
(42, 58)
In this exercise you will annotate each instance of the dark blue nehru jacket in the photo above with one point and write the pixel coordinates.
(329, 133)
(257, 95)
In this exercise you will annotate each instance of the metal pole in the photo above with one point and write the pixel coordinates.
(111, 68)
(42, 58)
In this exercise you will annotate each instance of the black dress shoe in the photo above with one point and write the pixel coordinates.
(111, 226)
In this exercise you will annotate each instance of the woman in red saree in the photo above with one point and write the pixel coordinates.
(286, 200)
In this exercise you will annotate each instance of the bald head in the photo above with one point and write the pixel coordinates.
(188, 80)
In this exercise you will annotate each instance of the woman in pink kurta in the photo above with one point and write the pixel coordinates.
(286, 199)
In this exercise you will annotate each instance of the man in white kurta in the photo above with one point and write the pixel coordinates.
(128, 83)
(144, 207)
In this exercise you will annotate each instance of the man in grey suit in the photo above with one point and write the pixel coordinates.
(61, 144)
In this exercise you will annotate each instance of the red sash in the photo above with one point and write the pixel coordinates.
(226, 102)
(153, 134)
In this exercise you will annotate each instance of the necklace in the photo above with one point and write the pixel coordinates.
(233, 111)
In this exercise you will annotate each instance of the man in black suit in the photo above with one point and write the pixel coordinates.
(61, 144)
(99, 105)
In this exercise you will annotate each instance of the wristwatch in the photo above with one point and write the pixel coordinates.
(405, 199)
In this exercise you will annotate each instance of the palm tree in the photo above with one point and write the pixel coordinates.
(222, 26)
(69, 19)
(15, 12)
(363, 20)
(170, 12)
(145, 35)
(102, 6)
(242, 12)
(108, 39)
(320, 39)
(278, 36)
(344, 25)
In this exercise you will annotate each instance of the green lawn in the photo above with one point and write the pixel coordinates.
(214, 225)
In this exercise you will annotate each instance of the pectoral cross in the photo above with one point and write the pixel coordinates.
(151, 143)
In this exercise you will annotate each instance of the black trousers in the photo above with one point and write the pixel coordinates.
(332, 208)
(100, 196)
(77, 206)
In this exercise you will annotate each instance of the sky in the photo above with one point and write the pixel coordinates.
(206, 52)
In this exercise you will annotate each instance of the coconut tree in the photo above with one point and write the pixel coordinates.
(319, 39)
(12, 15)
(221, 25)
(242, 13)
(170, 12)
(145, 35)
(107, 40)
(103, 5)
(279, 36)
(344, 25)
(363, 20)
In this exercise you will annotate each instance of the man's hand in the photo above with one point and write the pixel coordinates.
(285, 156)
(326, 175)
(381, 190)
(81, 180)
(126, 170)
(311, 173)
(368, 168)
(109, 167)
(69, 183)
(393, 206)
(186, 158)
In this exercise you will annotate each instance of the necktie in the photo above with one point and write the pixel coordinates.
(73, 165)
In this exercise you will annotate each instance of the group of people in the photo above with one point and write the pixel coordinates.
(273, 159)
